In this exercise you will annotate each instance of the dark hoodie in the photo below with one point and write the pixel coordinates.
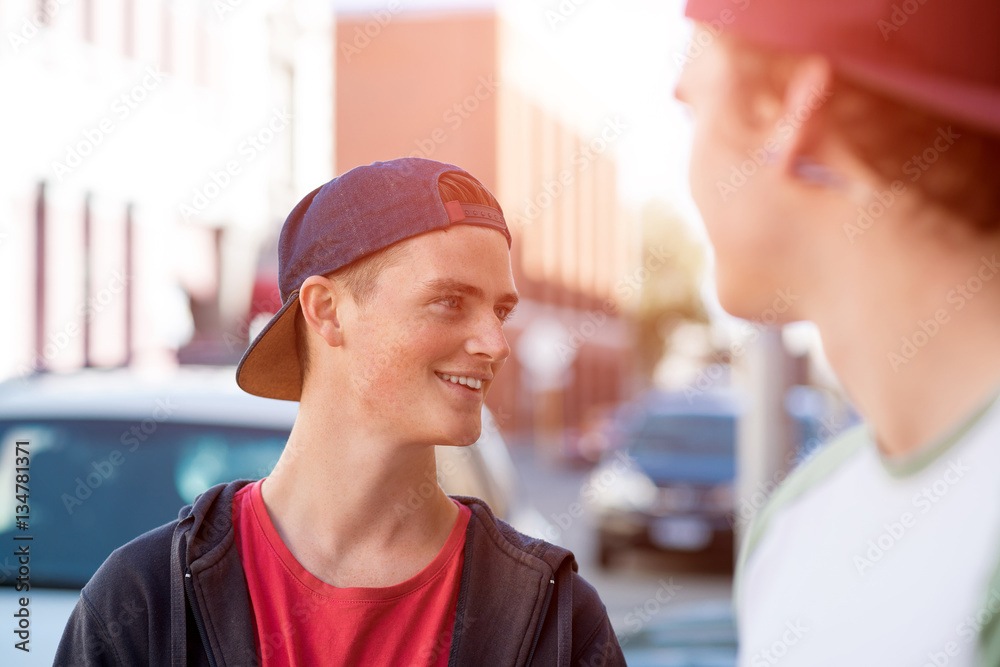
(177, 595)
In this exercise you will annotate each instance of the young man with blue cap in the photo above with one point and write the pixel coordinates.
(396, 282)
(848, 152)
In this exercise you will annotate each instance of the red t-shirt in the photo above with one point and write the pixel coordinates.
(301, 620)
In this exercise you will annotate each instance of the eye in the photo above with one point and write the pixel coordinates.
(504, 313)
(450, 301)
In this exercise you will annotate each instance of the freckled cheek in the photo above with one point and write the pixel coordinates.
(395, 364)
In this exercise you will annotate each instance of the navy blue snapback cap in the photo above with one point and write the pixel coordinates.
(354, 215)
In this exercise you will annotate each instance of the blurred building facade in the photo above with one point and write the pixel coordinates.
(149, 147)
(153, 149)
(467, 88)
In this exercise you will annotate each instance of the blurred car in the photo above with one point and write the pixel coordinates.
(700, 634)
(669, 485)
(114, 453)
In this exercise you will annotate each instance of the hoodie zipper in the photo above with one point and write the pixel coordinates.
(541, 619)
(189, 586)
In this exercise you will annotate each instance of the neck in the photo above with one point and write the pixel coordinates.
(915, 346)
(353, 509)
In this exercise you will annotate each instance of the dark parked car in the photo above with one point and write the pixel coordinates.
(669, 485)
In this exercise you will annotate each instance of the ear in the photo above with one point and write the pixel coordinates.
(319, 299)
(800, 127)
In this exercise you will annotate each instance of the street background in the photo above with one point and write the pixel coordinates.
(627, 589)
(153, 149)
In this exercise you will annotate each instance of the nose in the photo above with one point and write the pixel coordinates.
(487, 339)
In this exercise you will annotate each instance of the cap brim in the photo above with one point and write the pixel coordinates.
(962, 102)
(270, 366)
(975, 103)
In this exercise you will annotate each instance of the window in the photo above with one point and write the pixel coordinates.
(95, 485)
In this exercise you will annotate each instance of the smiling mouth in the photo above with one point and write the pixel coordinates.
(471, 383)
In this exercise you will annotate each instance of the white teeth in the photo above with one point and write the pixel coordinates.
(472, 383)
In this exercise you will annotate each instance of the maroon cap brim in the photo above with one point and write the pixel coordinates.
(939, 58)
(270, 366)
(959, 101)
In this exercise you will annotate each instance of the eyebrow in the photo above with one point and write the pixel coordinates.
(450, 285)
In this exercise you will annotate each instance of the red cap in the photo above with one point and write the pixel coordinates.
(942, 56)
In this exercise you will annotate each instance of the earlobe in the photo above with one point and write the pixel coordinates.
(319, 298)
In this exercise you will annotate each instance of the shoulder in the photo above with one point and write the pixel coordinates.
(807, 476)
(134, 567)
(801, 481)
(483, 522)
(571, 594)
(128, 595)
(124, 614)
(142, 569)
(592, 631)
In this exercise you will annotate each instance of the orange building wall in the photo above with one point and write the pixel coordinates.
(421, 86)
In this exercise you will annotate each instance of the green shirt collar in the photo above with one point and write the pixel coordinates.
(914, 462)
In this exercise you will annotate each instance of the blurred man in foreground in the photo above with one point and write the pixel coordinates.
(849, 152)
(396, 283)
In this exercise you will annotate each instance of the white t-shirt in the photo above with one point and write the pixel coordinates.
(859, 560)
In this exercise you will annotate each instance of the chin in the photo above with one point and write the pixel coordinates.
(463, 437)
(751, 300)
